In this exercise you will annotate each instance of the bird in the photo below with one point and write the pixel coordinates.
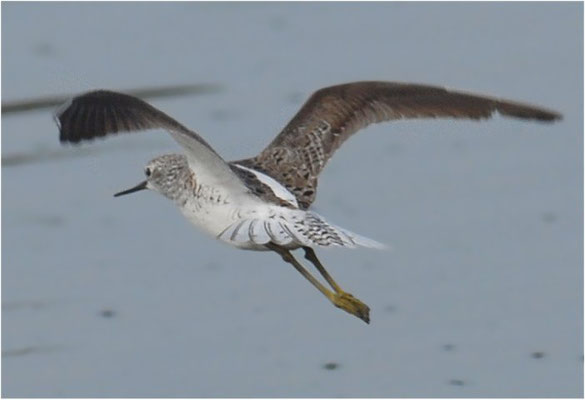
(262, 203)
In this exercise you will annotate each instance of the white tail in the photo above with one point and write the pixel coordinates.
(293, 228)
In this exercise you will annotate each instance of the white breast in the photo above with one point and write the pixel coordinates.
(211, 209)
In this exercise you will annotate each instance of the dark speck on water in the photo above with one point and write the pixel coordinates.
(44, 49)
(390, 308)
(51, 221)
(537, 354)
(457, 382)
(18, 352)
(24, 351)
(331, 366)
(258, 310)
(278, 23)
(107, 313)
(548, 217)
(448, 347)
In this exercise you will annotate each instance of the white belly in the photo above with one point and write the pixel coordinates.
(209, 217)
(230, 221)
(214, 212)
(249, 223)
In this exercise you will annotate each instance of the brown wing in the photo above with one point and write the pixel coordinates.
(331, 115)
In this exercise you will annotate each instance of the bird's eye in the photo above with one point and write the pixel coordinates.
(147, 171)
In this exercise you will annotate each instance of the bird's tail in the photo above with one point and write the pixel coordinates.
(292, 229)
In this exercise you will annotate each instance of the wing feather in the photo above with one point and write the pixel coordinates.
(258, 233)
(294, 228)
(101, 113)
(331, 115)
(276, 232)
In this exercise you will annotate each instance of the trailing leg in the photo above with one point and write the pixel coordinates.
(339, 298)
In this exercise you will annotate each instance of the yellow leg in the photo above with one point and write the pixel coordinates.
(340, 298)
(312, 257)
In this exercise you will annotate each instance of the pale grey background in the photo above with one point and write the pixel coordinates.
(481, 296)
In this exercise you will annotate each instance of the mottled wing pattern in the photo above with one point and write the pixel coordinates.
(331, 115)
(101, 113)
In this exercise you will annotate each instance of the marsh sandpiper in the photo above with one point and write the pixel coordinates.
(262, 203)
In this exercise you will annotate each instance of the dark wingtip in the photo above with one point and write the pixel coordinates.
(529, 112)
(545, 115)
(66, 117)
(554, 116)
(101, 113)
(85, 117)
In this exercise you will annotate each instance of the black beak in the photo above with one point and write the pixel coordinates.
(140, 186)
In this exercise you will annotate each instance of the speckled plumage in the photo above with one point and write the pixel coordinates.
(261, 203)
(299, 153)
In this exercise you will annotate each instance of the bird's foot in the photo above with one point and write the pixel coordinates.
(350, 304)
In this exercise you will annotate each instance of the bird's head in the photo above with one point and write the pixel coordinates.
(169, 175)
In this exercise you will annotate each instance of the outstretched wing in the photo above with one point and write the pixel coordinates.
(331, 115)
(100, 113)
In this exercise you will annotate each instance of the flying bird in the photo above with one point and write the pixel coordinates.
(263, 203)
